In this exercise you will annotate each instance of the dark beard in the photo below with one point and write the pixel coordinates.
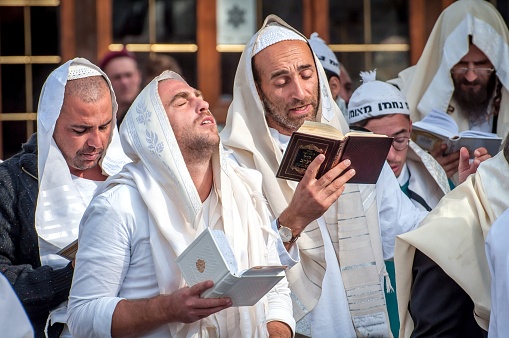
(473, 105)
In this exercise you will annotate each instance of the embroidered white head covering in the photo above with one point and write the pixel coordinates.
(59, 204)
(247, 134)
(428, 85)
(160, 174)
(326, 56)
(375, 98)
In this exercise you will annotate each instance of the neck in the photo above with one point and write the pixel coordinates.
(202, 176)
(94, 174)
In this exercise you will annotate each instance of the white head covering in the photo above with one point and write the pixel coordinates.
(59, 203)
(160, 174)
(375, 98)
(428, 85)
(326, 56)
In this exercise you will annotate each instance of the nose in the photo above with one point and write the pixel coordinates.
(392, 155)
(470, 75)
(298, 90)
(203, 106)
(94, 139)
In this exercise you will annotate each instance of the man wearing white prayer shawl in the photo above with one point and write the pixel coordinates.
(337, 286)
(126, 280)
(497, 252)
(464, 71)
(75, 148)
(442, 272)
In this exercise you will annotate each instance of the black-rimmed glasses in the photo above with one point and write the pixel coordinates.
(400, 143)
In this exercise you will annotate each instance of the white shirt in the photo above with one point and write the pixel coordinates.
(115, 262)
(497, 252)
(397, 215)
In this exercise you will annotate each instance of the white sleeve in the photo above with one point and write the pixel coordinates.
(280, 303)
(101, 265)
(290, 257)
(397, 213)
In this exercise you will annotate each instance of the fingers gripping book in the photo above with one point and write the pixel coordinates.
(210, 257)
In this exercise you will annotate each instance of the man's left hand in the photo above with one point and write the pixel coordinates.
(279, 330)
(465, 167)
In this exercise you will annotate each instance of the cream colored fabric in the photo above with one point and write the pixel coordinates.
(247, 134)
(427, 174)
(175, 210)
(59, 203)
(428, 85)
(453, 236)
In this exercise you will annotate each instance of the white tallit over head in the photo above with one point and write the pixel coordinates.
(59, 203)
(160, 174)
(247, 134)
(428, 85)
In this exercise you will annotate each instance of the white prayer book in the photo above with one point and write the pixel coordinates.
(210, 257)
(438, 126)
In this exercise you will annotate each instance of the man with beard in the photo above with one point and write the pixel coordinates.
(341, 232)
(127, 282)
(45, 188)
(463, 71)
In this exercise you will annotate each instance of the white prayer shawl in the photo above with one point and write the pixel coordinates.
(161, 176)
(427, 178)
(59, 203)
(453, 236)
(497, 252)
(247, 134)
(428, 85)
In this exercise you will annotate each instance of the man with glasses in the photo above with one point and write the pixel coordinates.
(462, 71)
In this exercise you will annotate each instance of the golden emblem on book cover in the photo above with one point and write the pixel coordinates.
(200, 265)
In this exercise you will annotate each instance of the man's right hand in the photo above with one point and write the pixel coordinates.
(448, 162)
(313, 197)
(186, 306)
(135, 317)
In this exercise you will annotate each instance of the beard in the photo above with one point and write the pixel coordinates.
(79, 163)
(197, 148)
(278, 111)
(473, 104)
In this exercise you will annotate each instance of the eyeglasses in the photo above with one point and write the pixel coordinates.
(400, 143)
(477, 71)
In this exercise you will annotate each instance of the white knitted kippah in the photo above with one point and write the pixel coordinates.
(81, 71)
(326, 56)
(375, 98)
(274, 33)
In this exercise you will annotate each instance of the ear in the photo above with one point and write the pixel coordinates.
(335, 86)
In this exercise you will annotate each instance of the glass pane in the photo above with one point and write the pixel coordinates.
(389, 21)
(11, 31)
(175, 21)
(354, 63)
(13, 136)
(346, 19)
(229, 62)
(389, 64)
(45, 30)
(40, 73)
(288, 10)
(13, 88)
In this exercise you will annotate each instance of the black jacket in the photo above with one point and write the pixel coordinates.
(39, 288)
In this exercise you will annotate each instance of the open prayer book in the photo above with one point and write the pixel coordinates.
(210, 257)
(438, 127)
(366, 151)
(69, 251)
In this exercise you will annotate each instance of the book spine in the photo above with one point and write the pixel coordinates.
(331, 160)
